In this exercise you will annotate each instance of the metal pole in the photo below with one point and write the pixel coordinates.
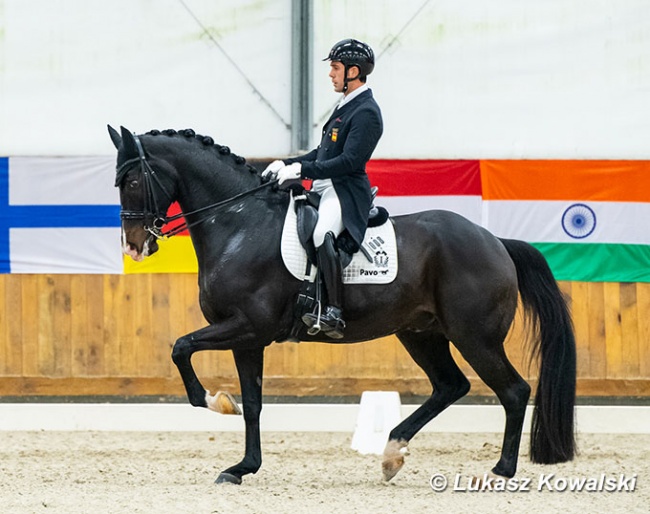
(301, 74)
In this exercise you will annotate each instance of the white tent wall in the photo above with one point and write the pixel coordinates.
(69, 67)
(455, 78)
(510, 79)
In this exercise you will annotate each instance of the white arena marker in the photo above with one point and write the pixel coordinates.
(379, 413)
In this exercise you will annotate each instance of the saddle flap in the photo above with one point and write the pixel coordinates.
(293, 253)
(376, 264)
(306, 219)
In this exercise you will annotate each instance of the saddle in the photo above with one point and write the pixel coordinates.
(306, 206)
(302, 222)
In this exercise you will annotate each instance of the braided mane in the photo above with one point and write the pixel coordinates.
(206, 141)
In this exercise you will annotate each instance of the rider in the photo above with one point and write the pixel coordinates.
(338, 170)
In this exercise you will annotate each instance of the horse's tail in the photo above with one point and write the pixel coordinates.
(552, 436)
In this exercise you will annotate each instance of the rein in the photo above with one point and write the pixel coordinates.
(151, 210)
(216, 205)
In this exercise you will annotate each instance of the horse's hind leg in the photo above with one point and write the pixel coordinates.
(431, 352)
(493, 367)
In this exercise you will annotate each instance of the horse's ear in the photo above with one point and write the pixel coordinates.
(115, 137)
(130, 147)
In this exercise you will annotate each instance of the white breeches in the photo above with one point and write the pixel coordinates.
(330, 218)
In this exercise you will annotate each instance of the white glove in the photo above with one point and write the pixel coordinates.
(291, 172)
(272, 170)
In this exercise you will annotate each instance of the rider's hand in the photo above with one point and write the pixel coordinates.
(272, 169)
(291, 172)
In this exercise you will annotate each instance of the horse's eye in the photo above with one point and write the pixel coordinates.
(133, 184)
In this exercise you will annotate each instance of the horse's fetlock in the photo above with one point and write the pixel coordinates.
(253, 466)
(197, 402)
(501, 470)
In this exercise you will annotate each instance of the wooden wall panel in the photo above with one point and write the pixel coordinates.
(581, 322)
(112, 335)
(29, 316)
(643, 319)
(613, 332)
(631, 359)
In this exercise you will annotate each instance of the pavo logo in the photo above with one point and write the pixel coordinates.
(381, 259)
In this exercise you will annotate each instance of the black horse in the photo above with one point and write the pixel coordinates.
(457, 283)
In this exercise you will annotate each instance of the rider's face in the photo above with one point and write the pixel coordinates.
(337, 73)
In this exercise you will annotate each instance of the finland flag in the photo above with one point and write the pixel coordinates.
(59, 215)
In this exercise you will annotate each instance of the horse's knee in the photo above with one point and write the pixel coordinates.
(181, 350)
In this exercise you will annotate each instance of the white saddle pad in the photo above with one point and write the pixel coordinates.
(379, 242)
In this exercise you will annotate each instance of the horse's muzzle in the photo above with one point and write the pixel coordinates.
(139, 252)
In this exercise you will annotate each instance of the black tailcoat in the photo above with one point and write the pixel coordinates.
(349, 138)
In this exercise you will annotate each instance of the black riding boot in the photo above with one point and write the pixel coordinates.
(331, 322)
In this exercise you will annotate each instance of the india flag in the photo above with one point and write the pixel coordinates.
(589, 218)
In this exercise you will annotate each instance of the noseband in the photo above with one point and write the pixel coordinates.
(154, 218)
(152, 215)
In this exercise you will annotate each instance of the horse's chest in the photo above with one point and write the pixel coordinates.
(214, 306)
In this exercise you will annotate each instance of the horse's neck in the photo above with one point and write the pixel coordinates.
(237, 236)
(242, 220)
(205, 185)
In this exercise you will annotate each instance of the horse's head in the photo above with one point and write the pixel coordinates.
(146, 192)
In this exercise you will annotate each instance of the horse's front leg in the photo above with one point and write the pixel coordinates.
(250, 367)
(224, 336)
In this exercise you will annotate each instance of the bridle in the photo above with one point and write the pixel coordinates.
(154, 218)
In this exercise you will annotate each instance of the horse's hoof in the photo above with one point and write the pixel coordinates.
(393, 458)
(227, 478)
(390, 468)
(222, 402)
